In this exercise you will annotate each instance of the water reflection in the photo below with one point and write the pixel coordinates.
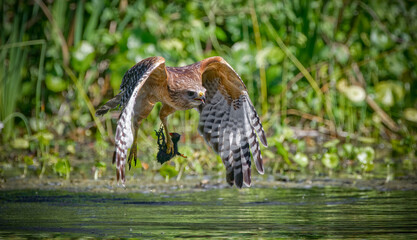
(270, 213)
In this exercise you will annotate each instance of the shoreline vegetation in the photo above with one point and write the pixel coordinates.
(157, 185)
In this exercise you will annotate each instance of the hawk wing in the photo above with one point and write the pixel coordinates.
(148, 71)
(229, 122)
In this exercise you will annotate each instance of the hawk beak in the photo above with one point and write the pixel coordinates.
(201, 97)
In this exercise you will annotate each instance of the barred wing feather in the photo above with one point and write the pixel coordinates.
(230, 124)
(132, 82)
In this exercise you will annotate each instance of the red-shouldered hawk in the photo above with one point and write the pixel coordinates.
(228, 121)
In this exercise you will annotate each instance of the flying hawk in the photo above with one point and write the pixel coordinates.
(228, 121)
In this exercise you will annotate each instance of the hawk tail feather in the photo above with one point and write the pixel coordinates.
(124, 140)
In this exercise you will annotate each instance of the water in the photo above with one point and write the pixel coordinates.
(221, 213)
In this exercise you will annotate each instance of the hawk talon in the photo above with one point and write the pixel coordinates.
(133, 153)
(170, 145)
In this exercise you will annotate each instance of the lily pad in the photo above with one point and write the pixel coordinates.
(20, 143)
(332, 143)
(388, 93)
(82, 56)
(366, 157)
(330, 160)
(347, 150)
(55, 83)
(301, 159)
(410, 114)
(355, 93)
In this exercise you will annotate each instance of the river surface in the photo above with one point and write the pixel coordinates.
(315, 213)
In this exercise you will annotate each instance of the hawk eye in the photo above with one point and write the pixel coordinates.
(190, 93)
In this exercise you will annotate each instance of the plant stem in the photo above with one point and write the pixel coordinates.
(291, 56)
(262, 75)
(86, 100)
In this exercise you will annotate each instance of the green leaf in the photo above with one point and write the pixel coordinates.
(220, 34)
(269, 154)
(355, 93)
(20, 143)
(168, 171)
(71, 148)
(173, 44)
(100, 164)
(347, 150)
(366, 157)
(118, 67)
(55, 83)
(83, 56)
(380, 39)
(198, 168)
(410, 114)
(288, 133)
(44, 137)
(62, 167)
(330, 160)
(301, 159)
(399, 146)
(283, 152)
(341, 53)
(28, 160)
(275, 55)
(331, 143)
(389, 92)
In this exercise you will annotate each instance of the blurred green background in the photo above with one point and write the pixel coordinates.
(333, 81)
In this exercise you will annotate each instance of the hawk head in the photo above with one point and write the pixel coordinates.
(188, 98)
(196, 96)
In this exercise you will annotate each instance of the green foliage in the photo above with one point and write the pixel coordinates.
(167, 171)
(301, 159)
(343, 68)
(12, 60)
(283, 152)
(330, 160)
(389, 93)
(82, 56)
(366, 158)
(20, 143)
(55, 83)
(62, 167)
(331, 144)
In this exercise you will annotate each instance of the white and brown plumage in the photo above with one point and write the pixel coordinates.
(228, 120)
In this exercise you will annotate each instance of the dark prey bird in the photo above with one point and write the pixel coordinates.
(228, 121)
(162, 155)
